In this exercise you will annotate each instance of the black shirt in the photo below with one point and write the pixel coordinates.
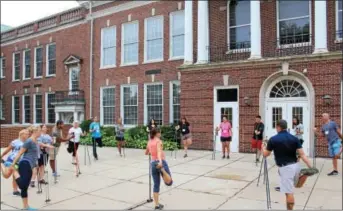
(285, 148)
(259, 127)
(152, 126)
(184, 128)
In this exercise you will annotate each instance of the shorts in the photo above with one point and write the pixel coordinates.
(225, 139)
(186, 136)
(289, 176)
(335, 148)
(41, 160)
(256, 144)
(53, 153)
(120, 138)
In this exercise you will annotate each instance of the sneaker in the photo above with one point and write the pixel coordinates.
(185, 156)
(257, 160)
(43, 182)
(16, 193)
(228, 157)
(32, 184)
(30, 208)
(223, 156)
(55, 174)
(159, 207)
(277, 189)
(333, 173)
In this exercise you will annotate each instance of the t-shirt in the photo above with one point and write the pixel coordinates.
(285, 147)
(31, 154)
(184, 128)
(57, 133)
(44, 139)
(225, 129)
(152, 147)
(260, 128)
(77, 134)
(120, 131)
(16, 146)
(95, 126)
(299, 128)
(330, 132)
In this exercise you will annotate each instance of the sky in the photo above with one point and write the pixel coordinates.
(16, 13)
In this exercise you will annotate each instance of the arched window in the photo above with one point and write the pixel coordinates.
(287, 88)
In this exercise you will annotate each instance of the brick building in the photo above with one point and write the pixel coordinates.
(143, 59)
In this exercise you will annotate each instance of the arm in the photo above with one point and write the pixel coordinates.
(266, 151)
(147, 151)
(46, 145)
(338, 130)
(159, 152)
(304, 157)
(20, 153)
(7, 150)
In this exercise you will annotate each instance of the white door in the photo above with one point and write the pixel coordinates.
(287, 111)
(230, 110)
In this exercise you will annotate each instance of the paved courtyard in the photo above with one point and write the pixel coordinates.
(199, 183)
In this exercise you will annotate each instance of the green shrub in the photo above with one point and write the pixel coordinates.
(85, 125)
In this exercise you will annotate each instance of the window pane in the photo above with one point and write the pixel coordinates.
(108, 105)
(27, 107)
(39, 106)
(178, 23)
(39, 62)
(340, 23)
(176, 103)
(109, 56)
(227, 95)
(292, 9)
(51, 109)
(27, 64)
(109, 37)
(52, 59)
(109, 116)
(109, 46)
(340, 5)
(227, 112)
(130, 53)
(130, 33)
(52, 52)
(154, 102)
(277, 115)
(239, 12)
(154, 49)
(17, 66)
(178, 45)
(154, 28)
(294, 31)
(240, 37)
(16, 110)
(75, 80)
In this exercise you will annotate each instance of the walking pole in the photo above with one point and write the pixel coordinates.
(55, 161)
(259, 175)
(149, 198)
(269, 205)
(214, 146)
(89, 157)
(47, 191)
(314, 151)
(85, 154)
(77, 165)
(39, 185)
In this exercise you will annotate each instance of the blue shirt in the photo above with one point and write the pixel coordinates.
(330, 132)
(95, 126)
(44, 139)
(16, 146)
(31, 154)
(285, 148)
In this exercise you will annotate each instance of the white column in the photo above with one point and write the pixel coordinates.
(320, 29)
(76, 116)
(188, 51)
(255, 29)
(203, 32)
(57, 116)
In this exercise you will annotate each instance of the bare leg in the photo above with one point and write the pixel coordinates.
(14, 185)
(334, 160)
(41, 173)
(185, 146)
(166, 177)
(290, 201)
(119, 147)
(156, 199)
(223, 148)
(228, 147)
(6, 172)
(34, 175)
(52, 165)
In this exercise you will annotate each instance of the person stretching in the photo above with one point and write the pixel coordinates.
(120, 135)
(14, 148)
(226, 136)
(159, 165)
(186, 134)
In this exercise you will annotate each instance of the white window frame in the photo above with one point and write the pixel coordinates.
(13, 67)
(47, 108)
(146, 101)
(70, 73)
(13, 111)
(294, 18)
(122, 103)
(24, 65)
(47, 67)
(2, 72)
(102, 66)
(122, 63)
(34, 108)
(2, 109)
(228, 27)
(171, 44)
(339, 39)
(101, 107)
(35, 64)
(171, 104)
(146, 42)
(23, 109)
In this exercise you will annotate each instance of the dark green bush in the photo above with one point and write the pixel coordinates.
(85, 125)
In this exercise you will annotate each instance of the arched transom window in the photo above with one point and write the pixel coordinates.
(287, 88)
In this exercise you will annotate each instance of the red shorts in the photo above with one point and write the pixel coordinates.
(256, 144)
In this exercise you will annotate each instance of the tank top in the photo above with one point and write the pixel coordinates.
(225, 129)
(152, 147)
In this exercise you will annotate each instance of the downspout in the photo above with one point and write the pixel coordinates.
(91, 63)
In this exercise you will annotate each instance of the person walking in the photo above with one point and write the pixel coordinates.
(120, 135)
(94, 129)
(334, 137)
(159, 165)
(75, 132)
(256, 142)
(225, 136)
(286, 147)
(186, 134)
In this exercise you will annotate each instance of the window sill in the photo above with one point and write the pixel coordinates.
(295, 45)
(26, 79)
(40, 77)
(241, 50)
(153, 61)
(108, 67)
(176, 58)
(338, 40)
(128, 64)
(50, 76)
(16, 80)
(2, 118)
(2, 77)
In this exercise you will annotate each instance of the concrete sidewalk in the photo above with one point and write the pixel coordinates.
(200, 183)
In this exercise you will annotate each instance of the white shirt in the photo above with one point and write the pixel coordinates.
(77, 133)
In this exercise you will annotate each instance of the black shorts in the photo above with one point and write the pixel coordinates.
(97, 141)
(41, 161)
(120, 138)
(225, 139)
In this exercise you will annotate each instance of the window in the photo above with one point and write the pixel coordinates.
(277, 115)
(287, 88)
(74, 77)
(50, 108)
(51, 59)
(16, 66)
(339, 20)
(1, 110)
(177, 32)
(239, 24)
(108, 106)
(129, 101)
(175, 102)
(27, 64)
(38, 62)
(26, 109)
(15, 110)
(2, 67)
(130, 43)
(293, 22)
(227, 95)
(38, 117)
(153, 39)
(154, 103)
(108, 47)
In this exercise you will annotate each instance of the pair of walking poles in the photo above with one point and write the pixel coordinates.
(46, 179)
(264, 165)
